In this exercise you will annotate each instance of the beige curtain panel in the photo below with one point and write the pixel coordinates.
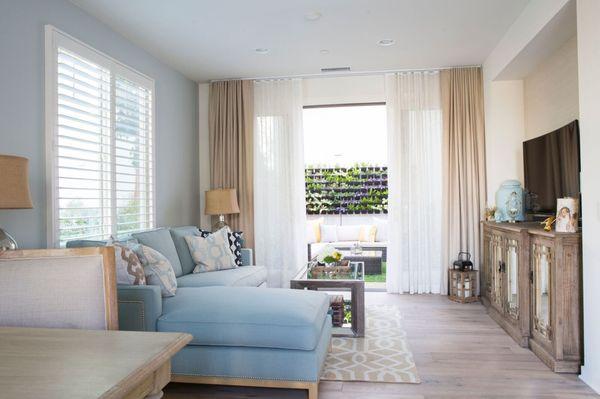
(231, 148)
(463, 162)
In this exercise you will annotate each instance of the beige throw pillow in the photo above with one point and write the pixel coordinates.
(367, 233)
(158, 270)
(211, 253)
(128, 265)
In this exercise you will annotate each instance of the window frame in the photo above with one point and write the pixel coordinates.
(53, 39)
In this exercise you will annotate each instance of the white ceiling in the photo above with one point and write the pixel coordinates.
(216, 39)
(561, 28)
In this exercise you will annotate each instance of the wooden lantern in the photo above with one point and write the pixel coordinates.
(463, 285)
(336, 302)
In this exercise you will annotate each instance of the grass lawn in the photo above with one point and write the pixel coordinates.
(377, 278)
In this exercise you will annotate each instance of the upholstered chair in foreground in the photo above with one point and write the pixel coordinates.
(59, 288)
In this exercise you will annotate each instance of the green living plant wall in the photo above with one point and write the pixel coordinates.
(361, 189)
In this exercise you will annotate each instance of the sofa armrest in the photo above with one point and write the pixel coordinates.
(247, 255)
(140, 306)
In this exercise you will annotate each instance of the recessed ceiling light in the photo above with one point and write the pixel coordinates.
(312, 16)
(324, 51)
(261, 51)
(386, 42)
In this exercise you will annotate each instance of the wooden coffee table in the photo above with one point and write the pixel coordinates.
(59, 363)
(353, 282)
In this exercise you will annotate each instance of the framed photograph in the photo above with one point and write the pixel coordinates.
(567, 215)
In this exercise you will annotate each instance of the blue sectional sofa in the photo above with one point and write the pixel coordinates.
(243, 335)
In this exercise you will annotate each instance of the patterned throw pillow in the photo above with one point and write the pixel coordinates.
(236, 242)
(128, 265)
(158, 269)
(211, 253)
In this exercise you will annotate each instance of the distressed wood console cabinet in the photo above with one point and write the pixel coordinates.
(530, 283)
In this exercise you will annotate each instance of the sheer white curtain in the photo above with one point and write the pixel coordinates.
(279, 204)
(414, 261)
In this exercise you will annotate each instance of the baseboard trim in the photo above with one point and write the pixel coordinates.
(585, 377)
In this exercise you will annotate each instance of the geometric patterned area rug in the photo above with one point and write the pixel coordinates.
(381, 356)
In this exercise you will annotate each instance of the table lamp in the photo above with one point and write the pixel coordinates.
(221, 202)
(14, 191)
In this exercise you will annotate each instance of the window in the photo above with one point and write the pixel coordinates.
(99, 123)
(345, 135)
(345, 153)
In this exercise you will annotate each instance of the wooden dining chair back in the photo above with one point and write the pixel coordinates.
(59, 288)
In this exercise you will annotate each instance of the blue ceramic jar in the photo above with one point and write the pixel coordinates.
(509, 202)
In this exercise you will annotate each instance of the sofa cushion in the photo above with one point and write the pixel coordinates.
(247, 276)
(328, 233)
(247, 317)
(160, 240)
(178, 234)
(255, 363)
(367, 233)
(348, 233)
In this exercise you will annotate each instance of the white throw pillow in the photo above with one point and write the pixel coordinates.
(158, 269)
(348, 233)
(211, 253)
(329, 233)
(382, 229)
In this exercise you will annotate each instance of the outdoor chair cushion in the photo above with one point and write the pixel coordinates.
(247, 317)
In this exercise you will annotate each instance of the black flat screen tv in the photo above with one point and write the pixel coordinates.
(552, 168)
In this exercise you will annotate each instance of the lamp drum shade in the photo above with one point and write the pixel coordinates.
(14, 183)
(222, 201)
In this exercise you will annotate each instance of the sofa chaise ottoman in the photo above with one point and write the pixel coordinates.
(252, 337)
(243, 335)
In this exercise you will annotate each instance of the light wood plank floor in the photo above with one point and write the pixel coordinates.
(459, 351)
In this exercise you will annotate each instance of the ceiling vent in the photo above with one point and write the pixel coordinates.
(337, 69)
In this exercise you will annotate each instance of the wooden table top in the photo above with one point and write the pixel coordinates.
(61, 363)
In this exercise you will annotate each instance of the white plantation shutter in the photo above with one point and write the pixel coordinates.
(83, 149)
(99, 144)
(133, 153)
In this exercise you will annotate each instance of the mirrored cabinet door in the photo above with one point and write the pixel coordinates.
(512, 277)
(542, 262)
(487, 277)
(497, 267)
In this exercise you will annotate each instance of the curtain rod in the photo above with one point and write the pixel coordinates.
(342, 74)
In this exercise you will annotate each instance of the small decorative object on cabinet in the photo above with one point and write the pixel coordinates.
(490, 213)
(509, 200)
(567, 215)
(530, 283)
(463, 285)
(548, 222)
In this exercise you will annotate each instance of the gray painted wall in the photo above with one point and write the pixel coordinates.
(22, 111)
